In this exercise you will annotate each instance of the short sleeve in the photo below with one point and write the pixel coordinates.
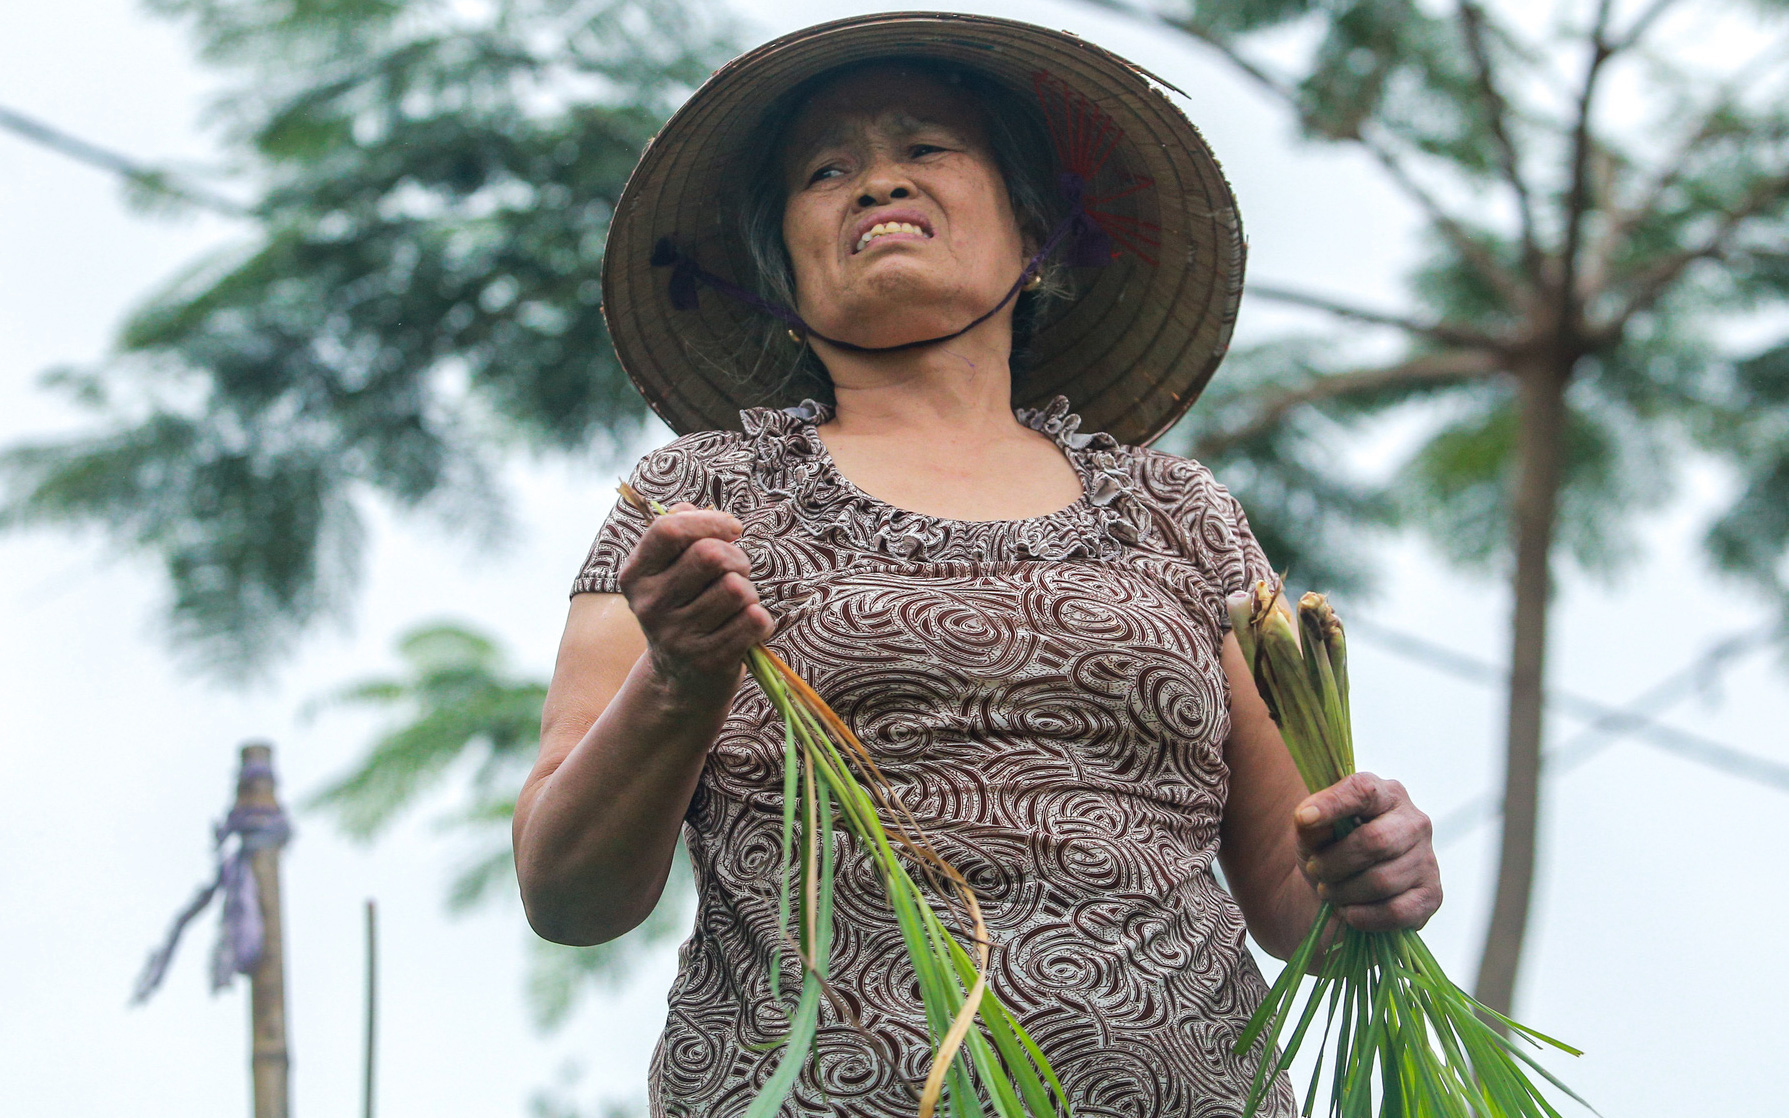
(1214, 531)
(693, 469)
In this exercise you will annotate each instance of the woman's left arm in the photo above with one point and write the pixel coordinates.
(1278, 844)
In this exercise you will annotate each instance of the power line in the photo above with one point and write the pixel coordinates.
(1608, 724)
(138, 173)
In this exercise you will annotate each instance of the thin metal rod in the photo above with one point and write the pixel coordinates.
(372, 1008)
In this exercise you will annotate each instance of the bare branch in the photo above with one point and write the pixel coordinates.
(1673, 166)
(1472, 20)
(1578, 197)
(1642, 25)
(1488, 267)
(1381, 149)
(1450, 367)
(1652, 284)
(1445, 333)
(1191, 28)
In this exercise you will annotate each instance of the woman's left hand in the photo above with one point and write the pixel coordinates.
(1383, 876)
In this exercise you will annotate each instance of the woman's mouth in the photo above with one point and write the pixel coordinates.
(890, 229)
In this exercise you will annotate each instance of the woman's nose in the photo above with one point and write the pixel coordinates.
(883, 182)
(868, 201)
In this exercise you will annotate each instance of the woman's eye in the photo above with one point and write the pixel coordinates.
(826, 172)
(923, 149)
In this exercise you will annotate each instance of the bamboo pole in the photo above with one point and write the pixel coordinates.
(372, 1007)
(268, 1057)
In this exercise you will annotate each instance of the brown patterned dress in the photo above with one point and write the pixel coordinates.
(1047, 696)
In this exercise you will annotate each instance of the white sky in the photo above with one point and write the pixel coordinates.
(1656, 943)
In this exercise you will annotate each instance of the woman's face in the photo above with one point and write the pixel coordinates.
(899, 151)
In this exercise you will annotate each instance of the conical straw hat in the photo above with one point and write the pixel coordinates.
(1131, 354)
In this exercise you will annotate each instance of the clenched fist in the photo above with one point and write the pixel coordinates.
(689, 585)
(1382, 876)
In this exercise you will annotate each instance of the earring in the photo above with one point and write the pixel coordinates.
(796, 338)
(1036, 281)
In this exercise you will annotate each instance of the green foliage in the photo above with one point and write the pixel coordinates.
(457, 701)
(1457, 486)
(457, 704)
(417, 296)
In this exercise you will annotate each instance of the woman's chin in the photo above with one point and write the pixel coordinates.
(898, 309)
(893, 325)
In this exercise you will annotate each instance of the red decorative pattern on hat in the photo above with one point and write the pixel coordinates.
(1085, 137)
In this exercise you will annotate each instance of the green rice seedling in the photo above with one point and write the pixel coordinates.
(1396, 1020)
(829, 777)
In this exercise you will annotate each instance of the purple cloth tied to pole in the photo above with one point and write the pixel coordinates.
(241, 934)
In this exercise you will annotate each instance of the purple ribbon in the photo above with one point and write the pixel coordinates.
(1089, 247)
(241, 933)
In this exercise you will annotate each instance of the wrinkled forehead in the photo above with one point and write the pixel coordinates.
(887, 96)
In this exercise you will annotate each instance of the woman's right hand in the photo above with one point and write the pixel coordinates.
(689, 585)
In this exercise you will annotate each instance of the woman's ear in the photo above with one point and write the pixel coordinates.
(1029, 246)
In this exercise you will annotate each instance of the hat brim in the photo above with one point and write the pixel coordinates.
(1131, 353)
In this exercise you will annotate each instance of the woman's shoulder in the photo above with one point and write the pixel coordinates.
(703, 467)
(1206, 522)
(1173, 481)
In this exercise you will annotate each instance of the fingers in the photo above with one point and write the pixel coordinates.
(1382, 882)
(1362, 796)
(684, 656)
(689, 584)
(1380, 876)
(718, 603)
(702, 564)
(666, 539)
(1385, 838)
(1407, 911)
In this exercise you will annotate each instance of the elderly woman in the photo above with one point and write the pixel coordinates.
(918, 221)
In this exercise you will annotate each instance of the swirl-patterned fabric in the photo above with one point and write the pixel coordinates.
(1047, 697)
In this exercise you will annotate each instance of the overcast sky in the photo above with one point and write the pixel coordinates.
(1656, 945)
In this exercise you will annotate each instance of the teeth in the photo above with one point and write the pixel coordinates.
(881, 228)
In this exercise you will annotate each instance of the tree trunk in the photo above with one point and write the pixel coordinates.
(1540, 453)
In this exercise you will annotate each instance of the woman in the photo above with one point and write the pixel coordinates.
(1023, 621)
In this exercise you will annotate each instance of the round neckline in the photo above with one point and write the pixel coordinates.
(830, 465)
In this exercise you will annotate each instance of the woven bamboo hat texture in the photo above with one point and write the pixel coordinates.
(1133, 351)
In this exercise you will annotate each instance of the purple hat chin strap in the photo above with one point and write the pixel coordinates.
(1088, 247)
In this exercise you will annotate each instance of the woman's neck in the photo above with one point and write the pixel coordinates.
(955, 390)
(932, 431)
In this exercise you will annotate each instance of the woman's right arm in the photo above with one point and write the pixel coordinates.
(643, 680)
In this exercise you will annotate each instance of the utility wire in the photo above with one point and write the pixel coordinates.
(1608, 724)
(138, 173)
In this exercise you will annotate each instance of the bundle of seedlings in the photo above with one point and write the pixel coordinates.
(830, 778)
(1395, 1017)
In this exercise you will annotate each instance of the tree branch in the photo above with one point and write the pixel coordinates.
(140, 174)
(1672, 168)
(1457, 235)
(1651, 285)
(1642, 25)
(1578, 197)
(1442, 332)
(1472, 20)
(1487, 265)
(1449, 367)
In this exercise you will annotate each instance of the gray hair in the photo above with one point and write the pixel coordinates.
(1020, 141)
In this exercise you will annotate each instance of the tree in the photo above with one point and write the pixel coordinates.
(1564, 330)
(418, 297)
